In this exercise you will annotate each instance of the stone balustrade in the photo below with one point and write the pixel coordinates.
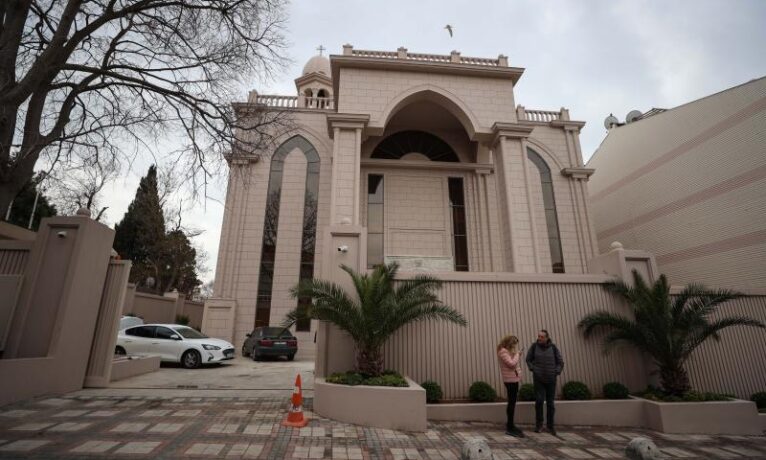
(402, 53)
(295, 102)
(541, 116)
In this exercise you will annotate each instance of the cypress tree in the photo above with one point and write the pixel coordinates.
(140, 235)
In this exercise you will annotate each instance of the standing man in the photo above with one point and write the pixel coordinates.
(545, 362)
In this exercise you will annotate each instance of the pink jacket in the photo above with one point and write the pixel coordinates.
(509, 366)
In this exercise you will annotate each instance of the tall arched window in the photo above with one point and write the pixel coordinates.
(271, 224)
(551, 218)
(399, 144)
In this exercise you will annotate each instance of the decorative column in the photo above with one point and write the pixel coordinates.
(579, 175)
(513, 197)
(344, 240)
(585, 231)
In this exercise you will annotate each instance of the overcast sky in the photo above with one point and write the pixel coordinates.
(593, 57)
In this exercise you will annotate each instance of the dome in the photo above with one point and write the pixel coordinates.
(319, 64)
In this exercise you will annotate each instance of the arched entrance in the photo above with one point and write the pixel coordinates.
(415, 175)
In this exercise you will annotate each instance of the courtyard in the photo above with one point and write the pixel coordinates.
(237, 378)
(83, 425)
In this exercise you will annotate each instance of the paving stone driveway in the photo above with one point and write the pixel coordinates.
(86, 426)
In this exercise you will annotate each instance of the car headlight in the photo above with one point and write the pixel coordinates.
(210, 347)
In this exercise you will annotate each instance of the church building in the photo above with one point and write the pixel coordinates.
(421, 159)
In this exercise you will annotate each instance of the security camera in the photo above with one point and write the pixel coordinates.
(61, 234)
(343, 248)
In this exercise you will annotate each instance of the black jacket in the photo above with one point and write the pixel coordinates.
(544, 362)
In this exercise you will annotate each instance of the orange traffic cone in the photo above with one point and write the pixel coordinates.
(295, 417)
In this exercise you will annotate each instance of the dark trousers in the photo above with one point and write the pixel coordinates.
(544, 391)
(510, 410)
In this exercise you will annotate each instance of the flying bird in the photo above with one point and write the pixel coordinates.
(449, 29)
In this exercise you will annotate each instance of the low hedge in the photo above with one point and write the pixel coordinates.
(616, 390)
(482, 392)
(656, 394)
(433, 391)
(527, 392)
(759, 399)
(389, 379)
(575, 391)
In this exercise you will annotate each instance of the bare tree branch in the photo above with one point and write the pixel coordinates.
(86, 82)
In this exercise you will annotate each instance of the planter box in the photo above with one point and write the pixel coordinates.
(383, 407)
(714, 417)
(133, 365)
(609, 412)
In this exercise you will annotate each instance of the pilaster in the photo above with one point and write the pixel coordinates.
(514, 201)
(346, 131)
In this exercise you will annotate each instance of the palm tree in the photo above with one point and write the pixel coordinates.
(382, 308)
(666, 328)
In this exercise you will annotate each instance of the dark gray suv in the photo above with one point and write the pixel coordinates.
(270, 341)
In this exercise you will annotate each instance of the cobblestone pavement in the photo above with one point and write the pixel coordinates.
(195, 427)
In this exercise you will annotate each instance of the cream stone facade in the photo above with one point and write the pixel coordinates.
(689, 185)
(421, 159)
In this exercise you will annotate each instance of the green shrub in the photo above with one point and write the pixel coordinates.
(615, 390)
(388, 380)
(390, 372)
(356, 378)
(182, 319)
(346, 378)
(575, 391)
(482, 392)
(433, 391)
(705, 396)
(655, 394)
(527, 392)
(759, 399)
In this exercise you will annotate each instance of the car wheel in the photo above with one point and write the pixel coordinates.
(290, 357)
(191, 359)
(255, 356)
(244, 351)
(118, 350)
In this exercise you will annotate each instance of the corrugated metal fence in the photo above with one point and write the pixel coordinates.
(737, 363)
(455, 357)
(14, 256)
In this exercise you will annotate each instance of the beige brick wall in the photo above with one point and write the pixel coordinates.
(417, 219)
(689, 185)
(372, 91)
(242, 233)
(344, 165)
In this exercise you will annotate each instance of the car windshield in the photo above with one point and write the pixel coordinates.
(189, 333)
(277, 332)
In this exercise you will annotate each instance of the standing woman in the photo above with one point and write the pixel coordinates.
(509, 356)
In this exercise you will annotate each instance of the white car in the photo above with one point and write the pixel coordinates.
(174, 343)
(130, 321)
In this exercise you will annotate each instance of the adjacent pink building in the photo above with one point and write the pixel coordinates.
(689, 185)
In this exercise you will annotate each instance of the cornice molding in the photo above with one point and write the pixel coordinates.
(578, 173)
(509, 130)
(338, 61)
(311, 77)
(568, 125)
(480, 168)
(347, 121)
